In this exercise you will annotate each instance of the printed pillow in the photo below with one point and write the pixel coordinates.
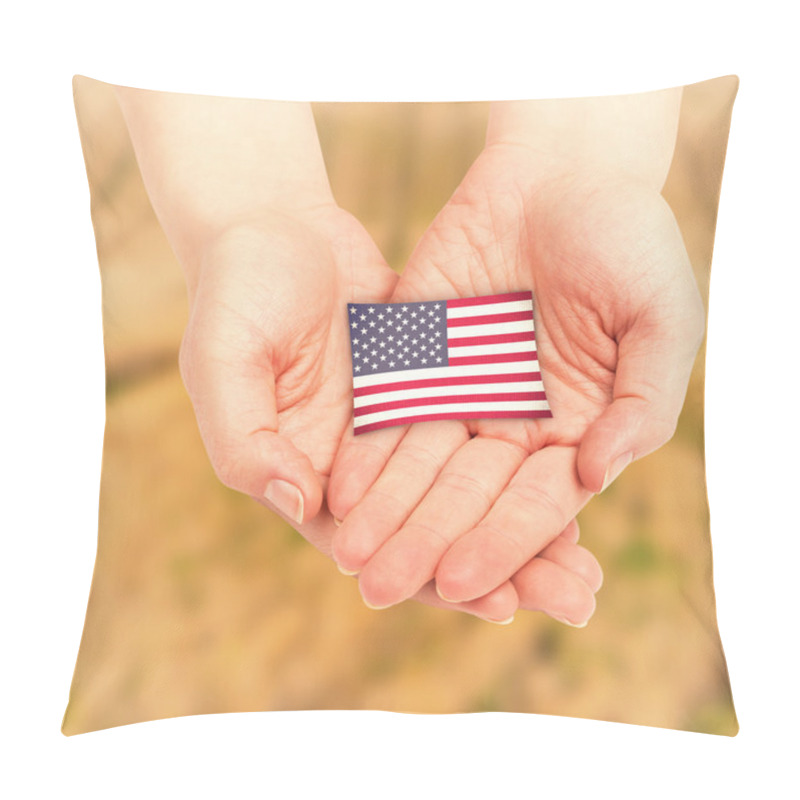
(204, 601)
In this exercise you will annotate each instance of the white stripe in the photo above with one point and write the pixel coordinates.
(493, 349)
(466, 410)
(445, 372)
(490, 308)
(490, 329)
(446, 391)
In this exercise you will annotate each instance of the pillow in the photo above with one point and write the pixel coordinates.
(203, 601)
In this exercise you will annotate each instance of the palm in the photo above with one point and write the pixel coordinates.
(265, 351)
(613, 292)
(580, 246)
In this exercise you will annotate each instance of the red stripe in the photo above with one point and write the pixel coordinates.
(492, 298)
(462, 380)
(495, 338)
(486, 319)
(390, 423)
(440, 401)
(462, 361)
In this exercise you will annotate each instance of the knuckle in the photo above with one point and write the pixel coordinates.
(462, 483)
(527, 499)
(420, 457)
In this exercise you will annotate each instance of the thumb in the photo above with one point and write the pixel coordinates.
(653, 368)
(233, 393)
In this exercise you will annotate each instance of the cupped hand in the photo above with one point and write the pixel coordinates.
(265, 359)
(618, 323)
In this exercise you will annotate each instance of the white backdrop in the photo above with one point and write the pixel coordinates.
(53, 404)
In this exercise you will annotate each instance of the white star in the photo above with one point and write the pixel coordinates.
(406, 362)
(391, 363)
(405, 349)
(364, 331)
(424, 360)
(438, 347)
(398, 315)
(430, 313)
(380, 316)
(355, 342)
(391, 349)
(414, 341)
(422, 308)
(414, 354)
(423, 348)
(381, 330)
(413, 327)
(354, 325)
(373, 339)
(431, 324)
(371, 310)
(437, 334)
(363, 317)
(405, 336)
(437, 306)
(374, 366)
(374, 352)
(413, 313)
(382, 344)
(372, 323)
(438, 359)
(352, 309)
(390, 338)
(405, 308)
(383, 358)
(357, 368)
(423, 335)
(364, 346)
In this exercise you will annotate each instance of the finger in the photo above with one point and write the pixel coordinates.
(543, 585)
(535, 507)
(576, 559)
(407, 476)
(358, 463)
(655, 360)
(458, 499)
(233, 394)
(499, 606)
(572, 533)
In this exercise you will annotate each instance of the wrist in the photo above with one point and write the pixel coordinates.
(631, 137)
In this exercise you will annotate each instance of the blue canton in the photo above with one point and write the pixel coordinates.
(392, 337)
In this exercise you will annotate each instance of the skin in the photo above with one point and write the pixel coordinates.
(618, 321)
(270, 262)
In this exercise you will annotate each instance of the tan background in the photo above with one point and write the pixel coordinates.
(203, 602)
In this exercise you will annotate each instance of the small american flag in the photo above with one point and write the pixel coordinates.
(471, 358)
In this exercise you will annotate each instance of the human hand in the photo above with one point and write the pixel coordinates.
(270, 262)
(265, 360)
(619, 321)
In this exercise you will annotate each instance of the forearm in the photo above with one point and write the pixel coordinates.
(210, 163)
(629, 135)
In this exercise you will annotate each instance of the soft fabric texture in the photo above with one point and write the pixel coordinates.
(203, 601)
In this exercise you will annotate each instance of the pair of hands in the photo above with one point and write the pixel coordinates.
(481, 513)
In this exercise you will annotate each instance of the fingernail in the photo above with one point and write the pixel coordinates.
(287, 498)
(346, 571)
(615, 468)
(501, 621)
(572, 624)
(374, 608)
(442, 597)
(337, 522)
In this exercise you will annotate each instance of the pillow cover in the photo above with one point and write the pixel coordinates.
(202, 601)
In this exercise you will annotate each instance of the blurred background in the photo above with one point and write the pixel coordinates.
(203, 601)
